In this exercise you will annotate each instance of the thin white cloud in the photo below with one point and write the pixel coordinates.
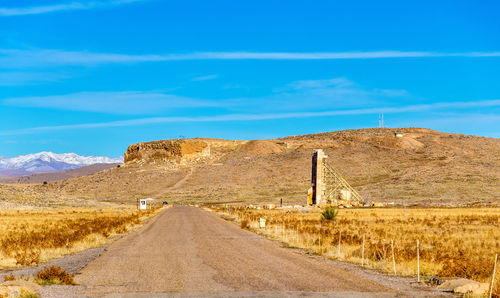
(326, 94)
(321, 84)
(19, 78)
(75, 5)
(123, 102)
(260, 117)
(205, 78)
(15, 58)
(299, 95)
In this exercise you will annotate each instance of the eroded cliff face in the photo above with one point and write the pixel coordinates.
(178, 151)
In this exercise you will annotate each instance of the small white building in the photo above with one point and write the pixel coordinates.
(145, 203)
(398, 134)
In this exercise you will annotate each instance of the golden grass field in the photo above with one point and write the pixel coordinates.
(459, 242)
(30, 237)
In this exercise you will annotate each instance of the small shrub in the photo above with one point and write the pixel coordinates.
(55, 275)
(27, 294)
(330, 213)
(9, 277)
(244, 224)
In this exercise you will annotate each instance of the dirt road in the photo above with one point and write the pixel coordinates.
(192, 252)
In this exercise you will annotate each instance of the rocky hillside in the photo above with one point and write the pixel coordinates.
(421, 167)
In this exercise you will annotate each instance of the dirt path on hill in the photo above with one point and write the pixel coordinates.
(189, 252)
(176, 185)
(181, 182)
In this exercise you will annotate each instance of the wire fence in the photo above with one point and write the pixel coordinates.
(402, 256)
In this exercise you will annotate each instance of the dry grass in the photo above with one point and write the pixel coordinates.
(32, 237)
(453, 242)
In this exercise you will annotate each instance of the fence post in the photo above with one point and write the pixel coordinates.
(363, 253)
(393, 259)
(340, 237)
(319, 243)
(383, 249)
(297, 236)
(418, 262)
(384, 260)
(493, 277)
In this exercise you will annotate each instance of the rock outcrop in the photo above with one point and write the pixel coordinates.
(465, 287)
(179, 151)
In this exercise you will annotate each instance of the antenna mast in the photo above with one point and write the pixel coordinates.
(381, 120)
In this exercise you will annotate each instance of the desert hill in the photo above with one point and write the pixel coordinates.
(421, 167)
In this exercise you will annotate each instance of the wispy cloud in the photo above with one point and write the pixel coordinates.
(260, 117)
(19, 78)
(296, 96)
(15, 58)
(205, 78)
(327, 94)
(124, 102)
(75, 5)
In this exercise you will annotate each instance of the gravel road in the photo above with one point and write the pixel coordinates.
(185, 251)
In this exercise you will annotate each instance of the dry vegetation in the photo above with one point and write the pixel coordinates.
(28, 287)
(30, 237)
(453, 242)
(54, 275)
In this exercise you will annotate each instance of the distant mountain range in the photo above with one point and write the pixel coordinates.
(48, 162)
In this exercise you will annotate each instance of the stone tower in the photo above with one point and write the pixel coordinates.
(318, 179)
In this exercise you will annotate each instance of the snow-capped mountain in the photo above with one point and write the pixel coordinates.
(46, 162)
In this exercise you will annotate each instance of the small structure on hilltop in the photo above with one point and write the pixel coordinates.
(328, 186)
(144, 204)
(398, 134)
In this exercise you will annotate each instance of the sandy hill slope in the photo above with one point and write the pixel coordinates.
(422, 167)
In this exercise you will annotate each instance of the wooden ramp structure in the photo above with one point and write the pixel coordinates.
(328, 185)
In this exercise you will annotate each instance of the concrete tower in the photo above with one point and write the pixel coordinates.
(318, 179)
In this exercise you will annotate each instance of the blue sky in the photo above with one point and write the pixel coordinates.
(92, 77)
